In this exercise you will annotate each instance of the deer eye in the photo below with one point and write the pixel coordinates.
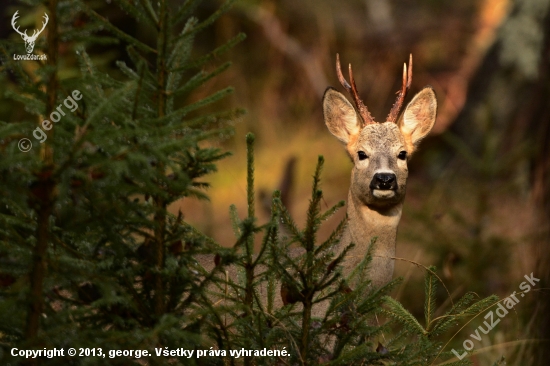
(402, 155)
(362, 155)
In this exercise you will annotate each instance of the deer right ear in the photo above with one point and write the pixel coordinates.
(340, 116)
(419, 117)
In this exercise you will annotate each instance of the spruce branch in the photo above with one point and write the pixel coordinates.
(88, 68)
(235, 221)
(117, 32)
(290, 225)
(430, 287)
(198, 79)
(334, 237)
(147, 5)
(138, 91)
(250, 175)
(331, 211)
(249, 262)
(137, 12)
(446, 321)
(32, 105)
(398, 312)
(176, 116)
(186, 10)
(201, 61)
(273, 241)
(208, 21)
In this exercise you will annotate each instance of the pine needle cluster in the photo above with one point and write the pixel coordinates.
(422, 344)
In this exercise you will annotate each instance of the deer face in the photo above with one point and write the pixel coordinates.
(380, 170)
(29, 43)
(379, 151)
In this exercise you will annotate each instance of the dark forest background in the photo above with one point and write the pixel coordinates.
(478, 200)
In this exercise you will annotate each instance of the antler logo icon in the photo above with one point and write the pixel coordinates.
(29, 40)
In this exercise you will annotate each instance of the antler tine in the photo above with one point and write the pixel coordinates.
(352, 89)
(407, 81)
(13, 20)
(37, 32)
(340, 76)
(46, 19)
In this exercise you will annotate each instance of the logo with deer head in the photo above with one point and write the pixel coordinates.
(29, 40)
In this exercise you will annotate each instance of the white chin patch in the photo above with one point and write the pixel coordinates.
(387, 193)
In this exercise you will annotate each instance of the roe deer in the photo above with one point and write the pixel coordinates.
(379, 152)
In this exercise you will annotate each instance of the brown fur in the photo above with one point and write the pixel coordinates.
(370, 214)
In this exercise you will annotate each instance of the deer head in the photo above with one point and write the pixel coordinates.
(379, 151)
(29, 40)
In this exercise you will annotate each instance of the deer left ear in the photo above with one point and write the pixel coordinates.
(419, 118)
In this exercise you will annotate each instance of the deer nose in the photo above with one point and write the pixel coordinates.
(383, 181)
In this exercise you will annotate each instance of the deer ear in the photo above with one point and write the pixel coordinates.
(419, 117)
(340, 116)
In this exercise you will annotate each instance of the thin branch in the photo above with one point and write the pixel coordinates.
(290, 47)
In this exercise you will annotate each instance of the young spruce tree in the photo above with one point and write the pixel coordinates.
(90, 256)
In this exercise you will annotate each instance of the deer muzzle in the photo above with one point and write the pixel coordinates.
(384, 182)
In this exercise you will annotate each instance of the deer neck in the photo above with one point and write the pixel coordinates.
(365, 223)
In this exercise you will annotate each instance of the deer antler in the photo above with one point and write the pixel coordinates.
(24, 34)
(352, 89)
(36, 33)
(13, 20)
(407, 80)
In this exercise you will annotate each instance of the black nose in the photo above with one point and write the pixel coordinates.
(383, 181)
